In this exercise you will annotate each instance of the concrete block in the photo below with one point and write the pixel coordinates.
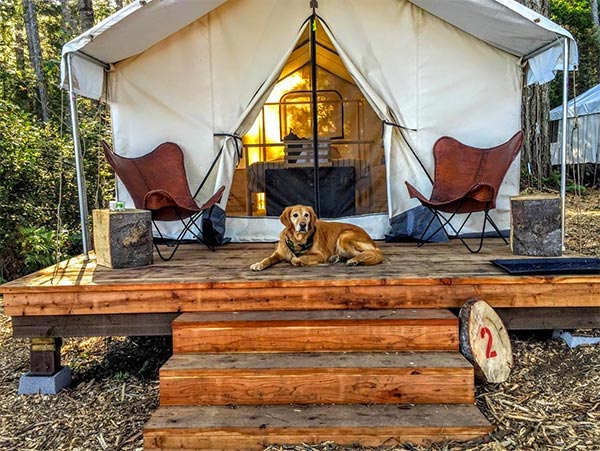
(573, 341)
(30, 384)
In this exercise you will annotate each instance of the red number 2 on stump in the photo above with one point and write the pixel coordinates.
(489, 352)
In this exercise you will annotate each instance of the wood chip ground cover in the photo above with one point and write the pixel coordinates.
(550, 402)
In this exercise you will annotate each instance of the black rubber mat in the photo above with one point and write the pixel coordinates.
(550, 265)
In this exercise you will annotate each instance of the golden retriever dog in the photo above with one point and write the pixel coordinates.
(307, 241)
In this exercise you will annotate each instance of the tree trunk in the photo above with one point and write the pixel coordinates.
(86, 14)
(594, 5)
(596, 21)
(68, 23)
(19, 50)
(119, 4)
(35, 54)
(21, 94)
(535, 156)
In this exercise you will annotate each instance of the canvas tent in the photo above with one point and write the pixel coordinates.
(197, 72)
(583, 129)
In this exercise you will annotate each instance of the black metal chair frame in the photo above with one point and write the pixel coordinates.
(187, 227)
(447, 222)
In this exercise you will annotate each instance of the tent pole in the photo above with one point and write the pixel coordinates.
(315, 119)
(81, 190)
(563, 155)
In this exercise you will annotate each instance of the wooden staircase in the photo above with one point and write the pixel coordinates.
(243, 381)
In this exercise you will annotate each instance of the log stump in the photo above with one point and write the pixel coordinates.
(123, 239)
(484, 341)
(536, 225)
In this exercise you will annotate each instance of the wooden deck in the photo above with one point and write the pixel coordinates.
(94, 300)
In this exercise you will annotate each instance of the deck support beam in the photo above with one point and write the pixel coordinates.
(548, 318)
(44, 356)
(130, 325)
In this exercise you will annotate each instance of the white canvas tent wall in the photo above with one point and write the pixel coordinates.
(186, 70)
(583, 141)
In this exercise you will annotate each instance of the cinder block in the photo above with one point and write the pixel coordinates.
(573, 341)
(123, 239)
(30, 384)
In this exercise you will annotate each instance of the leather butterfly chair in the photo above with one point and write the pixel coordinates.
(157, 182)
(467, 180)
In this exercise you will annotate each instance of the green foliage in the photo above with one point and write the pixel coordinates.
(39, 208)
(32, 174)
(576, 188)
(576, 16)
(553, 180)
(38, 246)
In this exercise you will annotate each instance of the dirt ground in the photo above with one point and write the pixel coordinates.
(550, 402)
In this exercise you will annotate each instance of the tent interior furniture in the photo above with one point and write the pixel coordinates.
(157, 182)
(301, 153)
(466, 180)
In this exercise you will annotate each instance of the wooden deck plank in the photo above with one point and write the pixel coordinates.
(254, 428)
(316, 330)
(434, 276)
(450, 295)
(338, 378)
(230, 265)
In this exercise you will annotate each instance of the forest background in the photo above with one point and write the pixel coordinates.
(39, 209)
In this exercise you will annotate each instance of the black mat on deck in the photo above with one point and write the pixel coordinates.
(525, 266)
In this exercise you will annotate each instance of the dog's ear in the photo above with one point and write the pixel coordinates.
(285, 217)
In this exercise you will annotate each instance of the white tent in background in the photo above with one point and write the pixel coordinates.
(197, 72)
(583, 141)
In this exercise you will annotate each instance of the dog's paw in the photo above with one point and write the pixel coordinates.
(352, 262)
(257, 266)
(335, 259)
(295, 261)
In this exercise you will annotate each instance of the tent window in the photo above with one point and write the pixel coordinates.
(554, 131)
(295, 114)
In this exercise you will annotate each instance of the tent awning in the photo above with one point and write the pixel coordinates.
(504, 24)
(582, 105)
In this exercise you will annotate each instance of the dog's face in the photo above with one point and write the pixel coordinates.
(299, 218)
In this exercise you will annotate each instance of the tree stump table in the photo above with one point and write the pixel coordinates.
(123, 239)
(536, 225)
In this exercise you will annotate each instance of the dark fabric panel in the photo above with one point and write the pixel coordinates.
(213, 226)
(409, 226)
(292, 186)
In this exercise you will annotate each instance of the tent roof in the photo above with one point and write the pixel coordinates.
(584, 104)
(137, 27)
(504, 24)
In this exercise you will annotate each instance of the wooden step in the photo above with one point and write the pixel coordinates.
(255, 427)
(309, 378)
(311, 331)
